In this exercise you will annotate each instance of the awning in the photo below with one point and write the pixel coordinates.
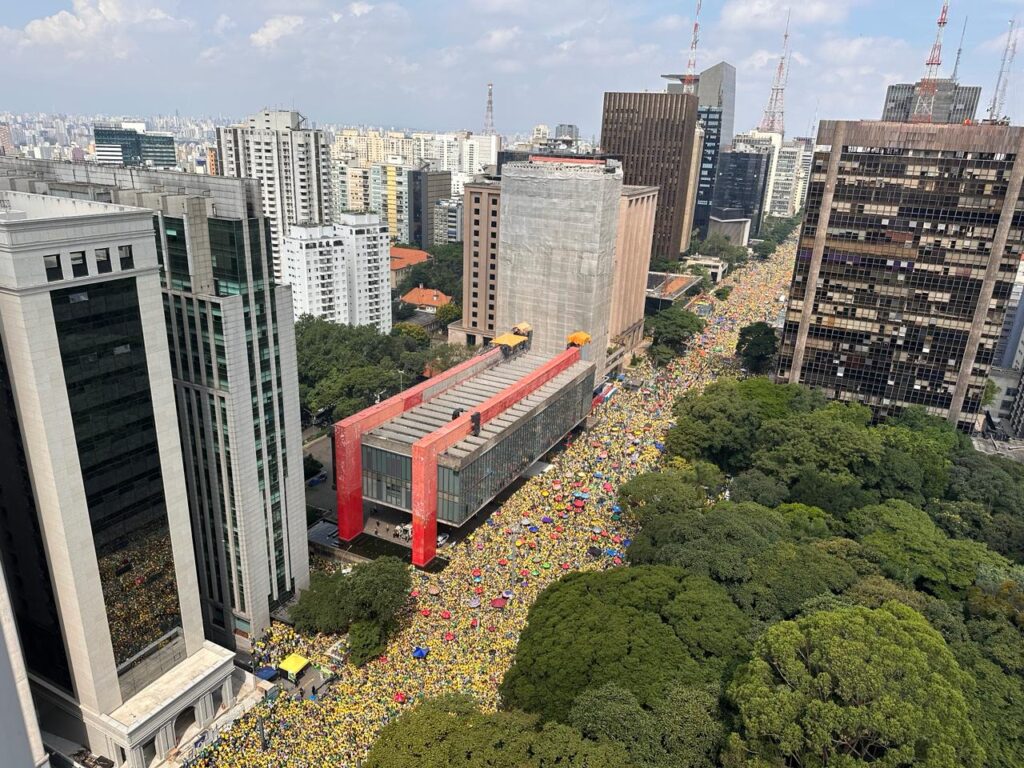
(294, 664)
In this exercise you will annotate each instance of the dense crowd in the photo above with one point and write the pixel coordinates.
(461, 634)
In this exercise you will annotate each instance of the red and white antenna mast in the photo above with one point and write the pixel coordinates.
(690, 78)
(924, 107)
(774, 120)
(489, 114)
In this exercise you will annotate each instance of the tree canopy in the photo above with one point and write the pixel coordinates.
(757, 346)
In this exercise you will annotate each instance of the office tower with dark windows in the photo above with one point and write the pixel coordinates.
(716, 87)
(954, 103)
(711, 121)
(655, 135)
(231, 338)
(567, 131)
(292, 163)
(426, 189)
(130, 145)
(741, 184)
(906, 265)
(482, 215)
(97, 546)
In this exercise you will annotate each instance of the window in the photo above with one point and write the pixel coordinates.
(53, 269)
(103, 260)
(124, 252)
(78, 266)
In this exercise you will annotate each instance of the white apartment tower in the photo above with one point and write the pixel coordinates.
(292, 164)
(96, 542)
(340, 272)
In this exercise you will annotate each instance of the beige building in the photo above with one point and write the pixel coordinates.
(633, 241)
(481, 229)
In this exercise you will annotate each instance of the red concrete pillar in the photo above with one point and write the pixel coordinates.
(348, 455)
(424, 504)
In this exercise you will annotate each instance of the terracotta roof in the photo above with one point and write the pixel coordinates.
(426, 297)
(406, 257)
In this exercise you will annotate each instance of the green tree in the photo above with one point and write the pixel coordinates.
(412, 331)
(668, 492)
(452, 733)
(722, 294)
(853, 687)
(757, 347)
(674, 327)
(681, 730)
(754, 485)
(449, 313)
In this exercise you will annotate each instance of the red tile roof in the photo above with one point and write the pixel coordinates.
(406, 257)
(426, 297)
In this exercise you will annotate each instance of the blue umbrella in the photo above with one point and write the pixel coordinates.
(420, 653)
(626, 542)
(547, 519)
(533, 529)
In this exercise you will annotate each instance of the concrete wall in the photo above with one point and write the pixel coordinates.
(633, 243)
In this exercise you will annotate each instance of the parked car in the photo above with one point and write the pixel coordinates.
(442, 539)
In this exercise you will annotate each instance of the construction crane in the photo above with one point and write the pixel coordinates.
(690, 78)
(774, 120)
(998, 103)
(924, 107)
(489, 114)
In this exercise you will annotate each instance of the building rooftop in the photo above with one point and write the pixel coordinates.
(406, 257)
(426, 297)
(24, 206)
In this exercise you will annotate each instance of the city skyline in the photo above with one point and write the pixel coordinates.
(308, 55)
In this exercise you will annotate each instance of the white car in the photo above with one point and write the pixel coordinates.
(442, 539)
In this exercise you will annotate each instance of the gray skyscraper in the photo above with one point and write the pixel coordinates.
(717, 89)
(954, 103)
(96, 542)
(230, 333)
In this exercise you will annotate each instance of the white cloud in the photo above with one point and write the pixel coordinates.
(223, 24)
(274, 29)
(771, 14)
(359, 8)
(498, 39)
(671, 23)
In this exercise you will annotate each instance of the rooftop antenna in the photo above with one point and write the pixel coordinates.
(959, 51)
(690, 78)
(773, 120)
(996, 106)
(489, 114)
(924, 107)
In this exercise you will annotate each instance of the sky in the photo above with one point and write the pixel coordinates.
(425, 64)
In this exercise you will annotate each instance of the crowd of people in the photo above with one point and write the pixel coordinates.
(464, 622)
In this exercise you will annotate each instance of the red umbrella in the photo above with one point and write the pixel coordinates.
(498, 602)
(476, 571)
(474, 623)
(425, 612)
(449, 636)
(502, 561)
(446, 614)
(578, 503)
(400, 697)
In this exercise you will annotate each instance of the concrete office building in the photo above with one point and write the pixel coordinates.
(906, 264)
(481, 229)
(96, 519)
(656, 135)
(426, 189)
(341, 272)
(954, 103)
(6, 141)
(389, 197)
(716, 88)
(711, 122)
(19, 727)
(567, 131)
(633, 238)
(787, 181)
(741, 186)
(770, 144)
(478, 152)
(292, 164)
(556, 251)
(132, 146)
(232, 344)
(448, 218)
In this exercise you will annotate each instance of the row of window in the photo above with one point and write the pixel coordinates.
(53, 263)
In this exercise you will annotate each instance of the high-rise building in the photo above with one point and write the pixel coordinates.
(426, 189)
(787, 183)
(448, 221)
(231, 338)
(389, 197)
(567, 131)
(556, 251)
(741, 186)
(954, 103)
(655, 135)
(6, 140)
(711, 121)
(481, 229)
(906, 264)
(340, 272)
(97, 543)
(770, 143)
(716, 88)
(478, 152)
(292, 164)
(130, 145)
(211, 161)
(541, 133)
(633, 238)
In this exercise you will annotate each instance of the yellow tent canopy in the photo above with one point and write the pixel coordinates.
(578, 339)
(294, 664)
(509, 340)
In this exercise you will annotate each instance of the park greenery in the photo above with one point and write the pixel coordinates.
(343, 369)
(806, 588)
(365, 603)
(672, 329)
